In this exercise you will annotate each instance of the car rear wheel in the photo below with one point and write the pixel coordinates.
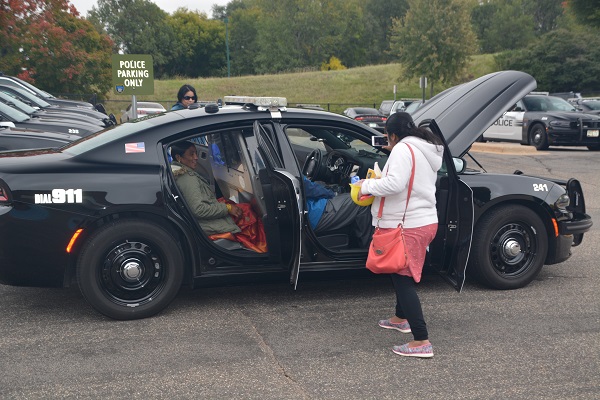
(130, 269)
(538, 137)
(509, 247)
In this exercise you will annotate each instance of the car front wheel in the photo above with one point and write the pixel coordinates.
(539, 137)
(130, 269)
(509, 247)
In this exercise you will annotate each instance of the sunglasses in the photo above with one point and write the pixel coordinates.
(189, 98)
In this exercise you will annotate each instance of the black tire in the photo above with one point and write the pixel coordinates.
(130, 269)
(538, 136)
(594, 147)
(509, 247)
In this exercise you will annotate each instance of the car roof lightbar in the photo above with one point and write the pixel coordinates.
(270, 102)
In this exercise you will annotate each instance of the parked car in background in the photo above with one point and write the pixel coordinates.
(399, 105)
(588, 106)
(35, 101)
(543, 121)
(12, 138)
(413, 106)
(368, 116)
(19, 83)
(310, 107)
(569, 96)
(39, 113)
(106, 211)
(385, 107)
(143, 108)
(12, 117)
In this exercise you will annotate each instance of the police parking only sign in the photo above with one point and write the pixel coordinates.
(133, 74)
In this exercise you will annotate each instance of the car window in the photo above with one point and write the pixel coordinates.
(547, 103)
(328, 138)
(226, 150)
(300, 137)
(592, 104)
(27, 109)
(17, 115)
(115, 132)
(30, 96)
(153, 105)
(413, 106)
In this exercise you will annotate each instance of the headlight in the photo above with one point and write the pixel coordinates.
(563, 202)
(560, 124)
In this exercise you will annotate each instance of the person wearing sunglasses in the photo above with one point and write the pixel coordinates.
(186, 96)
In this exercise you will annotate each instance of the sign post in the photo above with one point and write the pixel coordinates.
(133, 74)
(423, 85)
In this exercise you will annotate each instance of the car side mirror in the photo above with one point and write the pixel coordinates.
(460, 164)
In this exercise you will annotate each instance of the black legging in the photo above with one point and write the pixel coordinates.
(408, 305)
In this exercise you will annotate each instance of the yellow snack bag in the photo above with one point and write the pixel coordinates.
(375, 172)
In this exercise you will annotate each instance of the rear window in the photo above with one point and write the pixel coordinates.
(386, 106)
(116, 132)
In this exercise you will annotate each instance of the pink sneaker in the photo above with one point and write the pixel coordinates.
(424, 351)
(403, 327)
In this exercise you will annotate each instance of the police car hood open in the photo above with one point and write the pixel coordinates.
(465, 111)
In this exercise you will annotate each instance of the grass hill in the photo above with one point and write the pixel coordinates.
(339, 89)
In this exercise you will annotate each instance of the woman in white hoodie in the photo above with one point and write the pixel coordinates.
(420, 221)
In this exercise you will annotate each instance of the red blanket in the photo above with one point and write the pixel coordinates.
(252, 235)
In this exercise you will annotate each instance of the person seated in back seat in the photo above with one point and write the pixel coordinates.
(328, 212)
(217, 218)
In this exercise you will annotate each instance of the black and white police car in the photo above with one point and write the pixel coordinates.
(105, 210)
(542, 121)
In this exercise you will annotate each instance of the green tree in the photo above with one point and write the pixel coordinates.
(434, 39)
(243, 31)
(545, 13)
(200, 45)
(299, 34)
(137, 27)
(586, 11)
(561, 60)
(502, 25)
(48, 44)
(12, 21)
(378, 20)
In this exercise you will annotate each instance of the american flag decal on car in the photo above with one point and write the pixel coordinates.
(135, 147)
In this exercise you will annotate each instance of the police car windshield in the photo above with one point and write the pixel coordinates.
(15, 115)
(7, 99)
(24, 94)
(592, 104)
(547, 103)
(33, 88)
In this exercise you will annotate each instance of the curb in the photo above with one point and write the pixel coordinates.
(504, 148)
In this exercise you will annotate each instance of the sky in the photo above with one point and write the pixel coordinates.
(83, 6)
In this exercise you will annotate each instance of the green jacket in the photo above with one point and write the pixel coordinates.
(212, 216)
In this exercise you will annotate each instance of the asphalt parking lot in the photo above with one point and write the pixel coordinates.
(322, 341)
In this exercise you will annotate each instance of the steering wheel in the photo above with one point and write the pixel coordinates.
(312, 165)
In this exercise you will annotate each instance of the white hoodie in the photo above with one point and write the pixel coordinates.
(393, 185)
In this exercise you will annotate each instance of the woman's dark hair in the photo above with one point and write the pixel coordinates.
(402, 125)
(183, 90)
(179, 148)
